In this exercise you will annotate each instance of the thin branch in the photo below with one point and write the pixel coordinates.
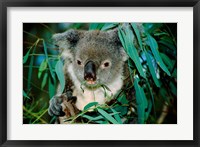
(31, 35)
(39, 117)
(42, 120)
(48, 28)
(36, 86)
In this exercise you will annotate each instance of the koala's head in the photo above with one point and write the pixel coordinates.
(97, 56)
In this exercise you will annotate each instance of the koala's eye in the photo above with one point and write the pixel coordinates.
(78, 62)
(106, 64)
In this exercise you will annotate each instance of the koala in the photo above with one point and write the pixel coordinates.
(92, 59)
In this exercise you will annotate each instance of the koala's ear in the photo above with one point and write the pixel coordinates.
(123, 54)
(67, 39)
(113, 34)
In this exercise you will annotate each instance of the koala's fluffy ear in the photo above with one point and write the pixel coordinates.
(123, 54)
(67, 39)
(113, 35)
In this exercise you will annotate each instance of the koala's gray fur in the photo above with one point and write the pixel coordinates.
(100, 47)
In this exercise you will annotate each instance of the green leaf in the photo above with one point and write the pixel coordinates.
(141, 101)
(152, 27)
(166, 47)
(168, 41)
(49, 65)
(167, 61)
(105, 87)
(161, 34)
(60, 75)
(77, 25)
(122, 99)
(43, 67)
(97, 117)
(96, 26)
(90, 105)
(117, 117)
(25, 58)
(154, 48)
(52, 87)
(152, 99)
(122, 109)
(30, 69)
(132, 51)
(92, 118)
(150, 104)
(164, 94)
(174, 74)
(173, 88)
(102, 122)
(25, 95)
(108, 26)
(44, 81)
(137, 34)
(121, 34)
(151, 68)
(93, 26)
(107, 116)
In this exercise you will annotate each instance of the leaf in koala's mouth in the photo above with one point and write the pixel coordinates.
(92, 84)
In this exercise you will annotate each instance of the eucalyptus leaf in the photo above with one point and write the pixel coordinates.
(43, 67)
(49, 65)
(141, 101)
(51, 87)
(44, 81)
(60, 75)
(102, 122)
(92, 118)
(90, 105)
(122, 109)
(107, 116)
(25, 95)
(117, 117)
(152, 27)
(121, 37)
(96, 26)
(131, 50)
(154, 48)
(152, 99)
(163, 93)
(152, 70)
(30, 69)
(137, 32)
(122, 99)
(173, 88)
(93, 26)
(108, 26)
(25, 58)
(97, 117)
(167, 61)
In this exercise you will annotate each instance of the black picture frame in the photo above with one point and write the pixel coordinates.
(4, 4)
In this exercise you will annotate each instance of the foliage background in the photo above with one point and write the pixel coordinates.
(149, 96)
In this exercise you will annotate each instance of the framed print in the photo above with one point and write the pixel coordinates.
(101, 73)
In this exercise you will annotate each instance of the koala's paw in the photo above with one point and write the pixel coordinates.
(55, 108)
(69, 108)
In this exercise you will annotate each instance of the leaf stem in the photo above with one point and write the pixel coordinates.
(26, 110)
(39, 117)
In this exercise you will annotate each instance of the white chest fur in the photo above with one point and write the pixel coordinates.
(97, 95)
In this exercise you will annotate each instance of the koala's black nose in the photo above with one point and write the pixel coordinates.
(90, 71)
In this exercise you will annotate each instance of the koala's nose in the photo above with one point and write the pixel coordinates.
(90, 71)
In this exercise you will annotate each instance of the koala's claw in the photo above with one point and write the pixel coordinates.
(55, 108)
